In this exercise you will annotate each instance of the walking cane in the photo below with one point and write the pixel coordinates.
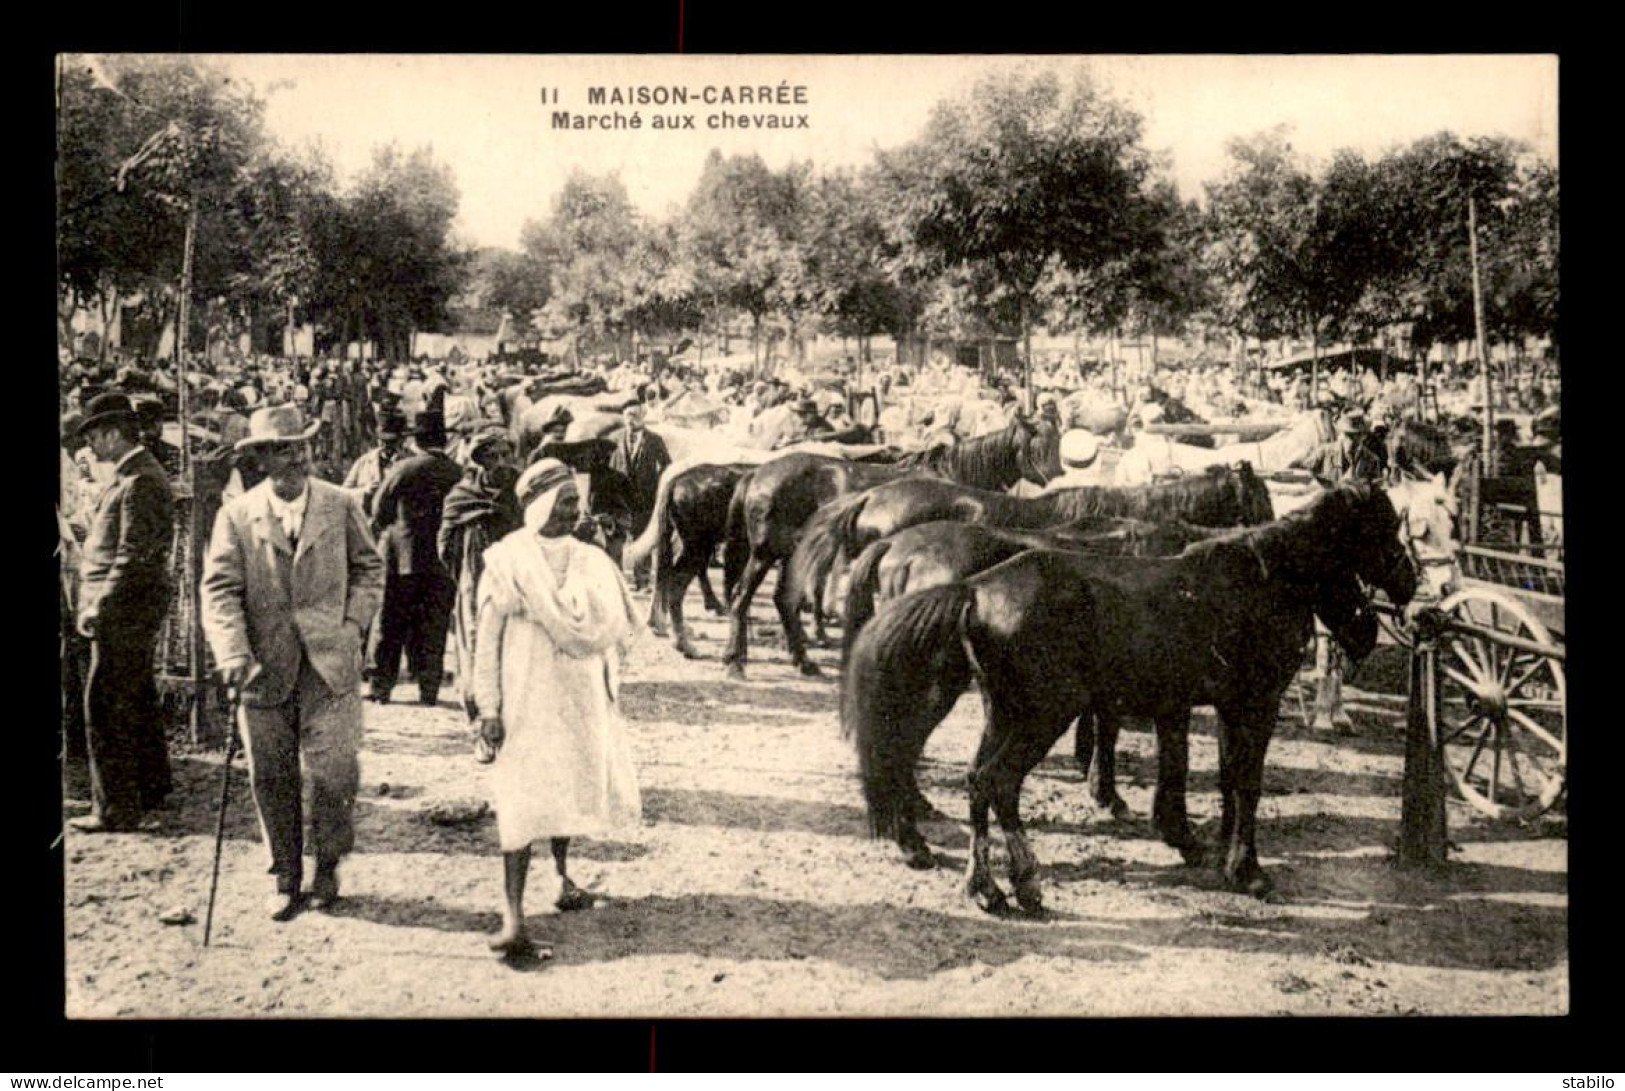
(234, 698)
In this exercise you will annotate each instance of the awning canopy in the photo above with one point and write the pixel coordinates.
(1341, 358)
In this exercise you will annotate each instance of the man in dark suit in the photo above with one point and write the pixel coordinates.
(642, 457)
(123, 595)
(418, 591)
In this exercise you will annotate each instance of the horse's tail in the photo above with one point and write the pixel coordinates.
(827, 536)
(862, 584)
(657, 530)
(908, 667)
(736, 541)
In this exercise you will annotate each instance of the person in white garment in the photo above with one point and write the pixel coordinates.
(1080, 461)
(554, 616)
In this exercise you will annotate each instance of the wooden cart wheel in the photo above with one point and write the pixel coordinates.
(1502, 712)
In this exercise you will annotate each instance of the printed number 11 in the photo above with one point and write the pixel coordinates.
(550, 95)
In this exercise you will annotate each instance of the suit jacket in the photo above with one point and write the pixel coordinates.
(368, 473)
(265, 600)
(641, 466)
(406, 513)
(125, 562)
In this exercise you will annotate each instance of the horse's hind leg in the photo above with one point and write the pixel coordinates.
(794, 639)
(1103, 771)
(739, 615)
(1029, 740)
(979, 884)
(1241, 779)
(1083, 745)
(712, 604)
(1168, 809)
(672, 585)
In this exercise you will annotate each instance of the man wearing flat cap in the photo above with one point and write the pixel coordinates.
(124, 590)
(419, 592)
(290, 581)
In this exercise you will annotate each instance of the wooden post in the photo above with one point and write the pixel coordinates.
(194, 635)
(1423, 837)
(1483, 356)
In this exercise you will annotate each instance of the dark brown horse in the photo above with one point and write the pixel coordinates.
(1221, 497)
(772, 504)
(933, 554)
(1048, 635)
(692, 523)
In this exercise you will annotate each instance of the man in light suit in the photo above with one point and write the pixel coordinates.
(124, 589)
(291, 579)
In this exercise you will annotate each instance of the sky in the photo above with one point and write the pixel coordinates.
(486, 117)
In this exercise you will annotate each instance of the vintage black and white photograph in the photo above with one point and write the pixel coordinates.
(551, 536)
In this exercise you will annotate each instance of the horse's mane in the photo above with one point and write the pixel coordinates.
(984, 460)
(1296, 543)
(1202, 498)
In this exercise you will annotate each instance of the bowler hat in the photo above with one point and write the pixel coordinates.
(277, 424)
(391, 421)
(104, 408)
(429, 428)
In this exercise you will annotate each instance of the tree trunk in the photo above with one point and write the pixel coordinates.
(1027, 349)
(1314, 362)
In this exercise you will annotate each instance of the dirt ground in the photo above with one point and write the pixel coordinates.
(752, 888)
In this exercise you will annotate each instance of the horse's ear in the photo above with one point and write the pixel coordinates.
(1438, 479)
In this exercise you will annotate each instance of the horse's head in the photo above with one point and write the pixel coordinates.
(1039, 445)
(1252, 495)
(1369, 540)
(1341, 604)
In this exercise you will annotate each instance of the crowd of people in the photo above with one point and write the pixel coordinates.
(375, 511)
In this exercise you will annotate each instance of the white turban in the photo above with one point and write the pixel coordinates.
(540, 487)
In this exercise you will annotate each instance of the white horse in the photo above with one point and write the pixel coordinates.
(1153, 455)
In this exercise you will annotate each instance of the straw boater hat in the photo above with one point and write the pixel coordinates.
(277, 424)
(1079, 448)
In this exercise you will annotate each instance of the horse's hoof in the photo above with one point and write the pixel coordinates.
(1119, 810)
(687, 650)
(810, 669)
(920, 859)
(658, 629)
(1030, 896)
(736, 672)
(716, 611)
(987, 896)
(1194, 854)
(1256, 884)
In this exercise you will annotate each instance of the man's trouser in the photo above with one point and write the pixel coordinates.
(1329, 659)
(326, 726)
(415, 618)
(75, 652)
(124, 730)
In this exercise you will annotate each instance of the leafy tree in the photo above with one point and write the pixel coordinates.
(387, 263)
(143, 141)
(1298, 252)
(740, 232)
(1023, 177)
